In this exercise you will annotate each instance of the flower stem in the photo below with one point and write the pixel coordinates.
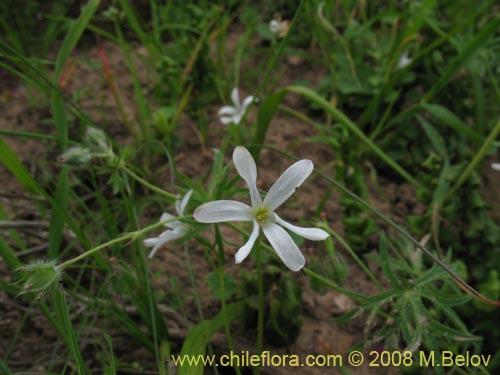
(476, 160)
(222, 281)
(260, 317)
(139, 179)
(351, 252)
(125, 237)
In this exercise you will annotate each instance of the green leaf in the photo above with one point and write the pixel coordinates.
(267, 109)
(200, 334)
(385, 263)
(8, 256)
(213, 281)
(435, 138)
(74, 34)
(459, 61)
(445, 117)
(14, 165)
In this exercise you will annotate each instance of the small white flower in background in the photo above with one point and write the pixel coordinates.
(495, 166)
(279, 27)
(404, 61)
(177, 229)
(261, 213)
(233, 114)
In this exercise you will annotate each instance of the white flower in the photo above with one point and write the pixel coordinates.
(262, 211)
(279, 28)
(177, 229)
(404, 60)
(495, 166)
(228, 114)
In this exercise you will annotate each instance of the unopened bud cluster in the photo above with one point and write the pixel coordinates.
(40, 277)
(96, 146)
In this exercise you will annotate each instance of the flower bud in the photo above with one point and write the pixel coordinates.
(76, 156)
(40, 277)
(97, 140)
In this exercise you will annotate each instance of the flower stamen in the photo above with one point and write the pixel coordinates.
(261, 214)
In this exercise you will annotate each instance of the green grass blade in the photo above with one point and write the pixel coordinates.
(14, 165)
(66, 329)
(58, 113)
(111, 368)
(4, 370)
(344, 120)
(74, 33)
(480, 155)
(444, 116)
(8, 256)
(130, 14)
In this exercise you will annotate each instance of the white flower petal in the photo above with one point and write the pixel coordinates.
(155, 243)
(287, 183)
(171, 235)
(284, 246)
(495, 166)
(237, 118)
(167, 236)
(171, 224)
(226, 120)
(243, 252)
(223, 210)
(274, 26)
(404, 61)
(235, 97)
(154, 250)
(184, 202)
(150, 242)
(227, 111)
(248, 100)
(313, 234)
(246, 168)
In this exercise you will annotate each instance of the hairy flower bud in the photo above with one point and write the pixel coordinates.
(40, 277)
(97, 140)
(76, 156)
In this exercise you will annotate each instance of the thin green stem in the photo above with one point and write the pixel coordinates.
(142, 181)
(476, 160)
(193, 283)
(348, 293)
(260, 317)
(275, 59)
(351, 252)
(125, 237)
(222, 281)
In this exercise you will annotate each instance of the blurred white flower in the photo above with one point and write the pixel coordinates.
(279, 27)
(177, 229)
(261, 213)
(404, 60)
(495, 166)
(233, 114)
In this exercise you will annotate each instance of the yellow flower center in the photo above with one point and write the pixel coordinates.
(261, 214)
